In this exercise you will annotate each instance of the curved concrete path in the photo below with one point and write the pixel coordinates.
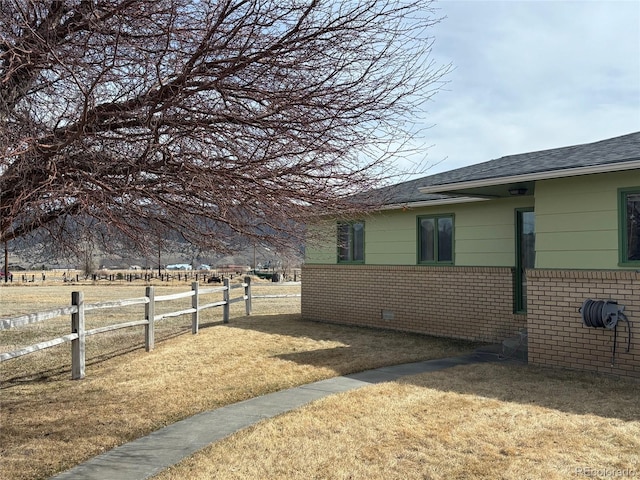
(147, 456)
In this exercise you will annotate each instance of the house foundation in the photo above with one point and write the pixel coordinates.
(471, 303)
(556, 334)
(476, 303)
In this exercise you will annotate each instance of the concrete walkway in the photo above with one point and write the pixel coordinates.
(149, 455)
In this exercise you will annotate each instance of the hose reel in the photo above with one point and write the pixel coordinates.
(605, 314)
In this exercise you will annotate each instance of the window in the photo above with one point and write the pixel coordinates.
(435, 239)
(351, 242)
(630, 226)
(525, 255)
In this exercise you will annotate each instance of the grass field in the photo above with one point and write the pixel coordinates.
(484, 421)
(478, 421)
(51, 423)
(20, 299)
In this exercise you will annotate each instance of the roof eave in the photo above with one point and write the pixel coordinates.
(527, 177)
(431, 203)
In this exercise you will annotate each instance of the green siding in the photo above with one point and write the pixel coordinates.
(577, 220)
(484, 235)
(576, 227)
(485, 232)
(321, 246)
(391, 238)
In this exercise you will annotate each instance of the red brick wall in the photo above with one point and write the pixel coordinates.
(474, 303)
(557, 336)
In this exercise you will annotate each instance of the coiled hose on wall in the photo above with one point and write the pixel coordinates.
(605, 314)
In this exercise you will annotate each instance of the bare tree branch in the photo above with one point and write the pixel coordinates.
(206, 117)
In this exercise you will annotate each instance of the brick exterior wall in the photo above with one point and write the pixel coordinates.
(557, 336)
(473, 303)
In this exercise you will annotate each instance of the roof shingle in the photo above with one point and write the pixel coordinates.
(611, 151)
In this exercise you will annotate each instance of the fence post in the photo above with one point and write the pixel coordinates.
(149, 314)
(77, 345)
(194, 304)
(247, 295)
(226, 296)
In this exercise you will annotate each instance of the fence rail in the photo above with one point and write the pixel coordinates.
(7, 323)
(77, 309)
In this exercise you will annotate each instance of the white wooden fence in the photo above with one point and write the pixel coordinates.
(77, 309)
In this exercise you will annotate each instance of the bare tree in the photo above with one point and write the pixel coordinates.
(205, 117)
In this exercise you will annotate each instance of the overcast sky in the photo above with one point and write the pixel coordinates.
(532, 75)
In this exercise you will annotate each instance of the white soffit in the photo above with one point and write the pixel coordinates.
(431, 203)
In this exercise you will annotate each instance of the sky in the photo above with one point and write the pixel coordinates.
(531, 75)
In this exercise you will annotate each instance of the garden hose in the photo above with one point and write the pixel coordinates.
(605, 314)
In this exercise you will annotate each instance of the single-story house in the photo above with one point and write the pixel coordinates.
(492, 250)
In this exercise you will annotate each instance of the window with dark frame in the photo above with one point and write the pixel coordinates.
(525, 223)
(435, 239)
(351, 242)
(630, 226)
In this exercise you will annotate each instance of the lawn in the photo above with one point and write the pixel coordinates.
(478, 421)
(51, 423)
(483, 421)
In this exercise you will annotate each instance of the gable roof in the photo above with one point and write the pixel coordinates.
(614, 154)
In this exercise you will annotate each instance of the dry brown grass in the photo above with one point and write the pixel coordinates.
(482, 421)
(16, 300)
(50, 423)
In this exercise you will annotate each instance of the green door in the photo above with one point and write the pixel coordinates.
(525, 255)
